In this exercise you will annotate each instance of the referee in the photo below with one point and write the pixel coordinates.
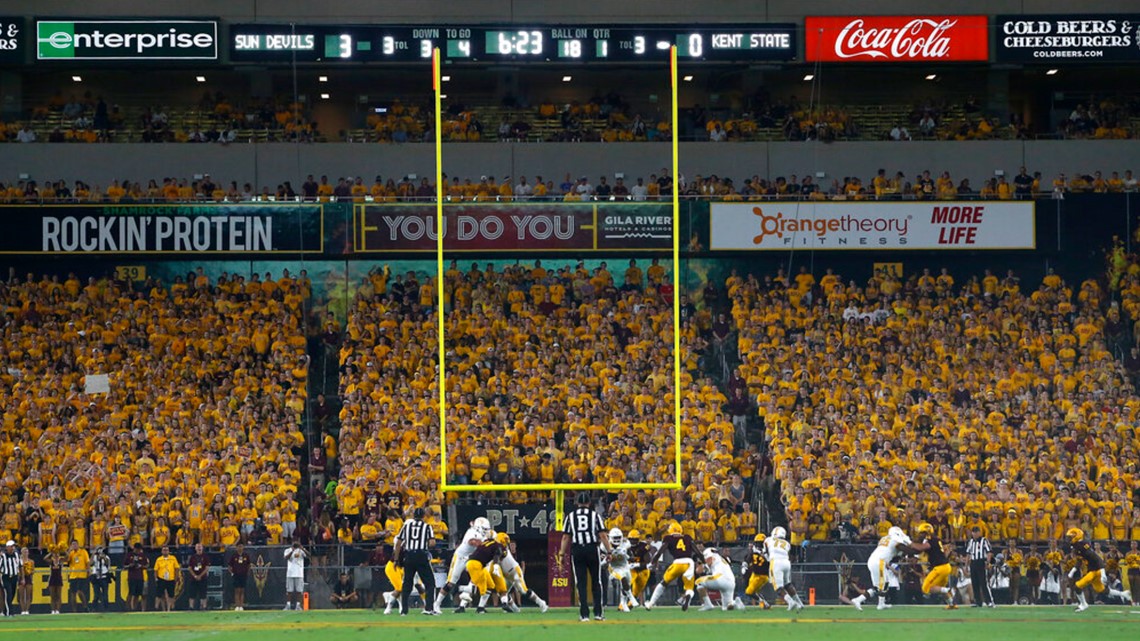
(10, 566)
(411, 552)
(584, 529)
(980, 553)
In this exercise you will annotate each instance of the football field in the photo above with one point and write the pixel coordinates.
(1101, 623)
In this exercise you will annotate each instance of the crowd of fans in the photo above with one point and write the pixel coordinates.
(215, 118)
(882, 186)
(599, 349)
(988, 403)
(198, 438)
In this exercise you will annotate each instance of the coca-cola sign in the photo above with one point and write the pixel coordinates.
(896, 39)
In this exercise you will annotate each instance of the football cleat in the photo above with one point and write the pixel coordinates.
(706, 607)
(1082, 607)
(622, 607)
(685, 602)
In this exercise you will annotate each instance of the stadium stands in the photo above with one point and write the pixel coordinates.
(985, 402)
(608, 344)
(207, 383)
(486, 189)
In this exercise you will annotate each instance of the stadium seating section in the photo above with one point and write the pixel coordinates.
(979, 400)
(198, 436)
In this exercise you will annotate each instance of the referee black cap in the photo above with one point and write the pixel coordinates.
(418, 513)
(583, 498)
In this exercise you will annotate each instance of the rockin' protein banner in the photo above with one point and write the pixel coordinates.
(166, 229)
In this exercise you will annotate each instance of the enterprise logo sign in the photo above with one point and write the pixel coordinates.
(127, 40)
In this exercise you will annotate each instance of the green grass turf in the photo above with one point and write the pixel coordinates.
(1101, 623)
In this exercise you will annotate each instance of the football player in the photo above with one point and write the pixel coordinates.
(1094, 570)
(512, 573)
(878, 564)
(619, 569)
(936, 581)
(756, 570)
(781, 567)
(682, 548)
(479, 568)
(479, 532)
(395, 576)
(718, 576)
(639, 554)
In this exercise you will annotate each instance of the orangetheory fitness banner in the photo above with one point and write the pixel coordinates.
(872, 225)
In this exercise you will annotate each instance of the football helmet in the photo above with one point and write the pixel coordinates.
(633, 535)
(1075, 534)
(779, 532)
(895, 532)
(503, 539)
(759, 538)
(615, 536)
(483, 527)
(674, 528)
(925, 528)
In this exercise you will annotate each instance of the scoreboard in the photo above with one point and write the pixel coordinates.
(266, 43)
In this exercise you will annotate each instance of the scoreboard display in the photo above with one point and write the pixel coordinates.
(384, 43)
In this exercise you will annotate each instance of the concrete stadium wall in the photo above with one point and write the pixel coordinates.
(269, 164)
(469, 11)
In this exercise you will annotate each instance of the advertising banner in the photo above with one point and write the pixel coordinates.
(126, 39)
(896, 39)
(167, 229)
(11, 40)
(560, 574)
(525, 521)
(1050, 38)
(873, 225)
(521, 227)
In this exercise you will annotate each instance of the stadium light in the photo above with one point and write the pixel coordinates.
(688, 78)
(1052, 72)
(200, 78)
(445, 78)
(77, 78)
(324, 96)
(322, 78)
(567, 78)
(809, 77)
(932, 76)
(442, 96)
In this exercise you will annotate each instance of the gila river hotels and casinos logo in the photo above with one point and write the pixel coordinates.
(126, 40)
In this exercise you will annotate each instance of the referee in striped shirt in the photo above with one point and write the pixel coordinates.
(980, 553)
(582, 531)
(412, 552)
(10, 566)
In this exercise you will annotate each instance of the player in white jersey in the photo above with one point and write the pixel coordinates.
(879, 565)
(620, 569)
(780, 566)
(718, 576)
(479, 531)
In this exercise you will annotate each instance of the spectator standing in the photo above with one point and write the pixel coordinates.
(79, 567)
(101, 577)
(295, 557)
(239, 571)
(199, 566)
(166, 569)
(136, 564)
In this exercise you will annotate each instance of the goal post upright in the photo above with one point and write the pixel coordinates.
(559, 489)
